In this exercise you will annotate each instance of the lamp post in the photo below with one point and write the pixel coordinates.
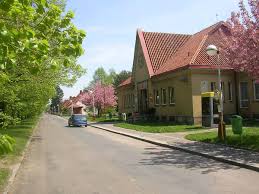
(92, 93)
(212, 50)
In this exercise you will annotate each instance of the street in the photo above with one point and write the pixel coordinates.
(75, 160)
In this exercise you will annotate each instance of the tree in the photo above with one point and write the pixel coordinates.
(100, 75)
(242, 47)
(120, 77)
(39, 47)
(103, 96)
(56, 100)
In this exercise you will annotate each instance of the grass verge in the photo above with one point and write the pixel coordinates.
(21, 133)
(158, 127)
(248, 140)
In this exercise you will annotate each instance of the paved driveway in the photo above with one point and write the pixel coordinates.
(88, 160)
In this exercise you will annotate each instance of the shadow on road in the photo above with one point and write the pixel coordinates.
(165, 156)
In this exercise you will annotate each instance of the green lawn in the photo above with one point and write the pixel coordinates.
(21, 133)
(158, 127)
(4, 174)
(103, 119)
(249, 139)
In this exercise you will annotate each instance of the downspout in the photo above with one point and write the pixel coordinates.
(236, 92)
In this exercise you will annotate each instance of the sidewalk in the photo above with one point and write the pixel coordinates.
(239, 157)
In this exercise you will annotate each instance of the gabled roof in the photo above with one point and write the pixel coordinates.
(193, 52)
(162, 46)
(164, 52)
(126, 82)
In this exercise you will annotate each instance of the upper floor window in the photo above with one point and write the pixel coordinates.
(171, 95)
(163, 96)
(256, 90)
(244, 101)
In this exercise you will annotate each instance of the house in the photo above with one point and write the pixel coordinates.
(75, 103)
(171, 72)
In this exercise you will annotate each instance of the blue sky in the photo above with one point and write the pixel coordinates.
(111, 27)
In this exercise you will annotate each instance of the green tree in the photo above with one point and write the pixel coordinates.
(39, 47)
(120, 77)
(57, 99)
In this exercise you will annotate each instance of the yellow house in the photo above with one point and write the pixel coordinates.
(171, 71)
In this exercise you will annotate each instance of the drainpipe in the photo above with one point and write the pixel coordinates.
(236, 92)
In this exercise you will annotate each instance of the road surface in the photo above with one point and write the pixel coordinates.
(88, 160)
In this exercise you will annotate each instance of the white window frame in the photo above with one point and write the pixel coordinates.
(170, 94)
(163, 97)
(157, 97)
(240, 100)
(230, 91)
(256, 99)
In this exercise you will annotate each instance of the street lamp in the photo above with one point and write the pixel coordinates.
(212, 50)
(92, 93)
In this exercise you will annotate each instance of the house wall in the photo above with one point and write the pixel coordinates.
(199, 76)
(140, 72)
(182, 110)
(124, 105)
(253, 107)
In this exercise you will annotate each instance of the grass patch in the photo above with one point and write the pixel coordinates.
(158, 127)
(21, 133)
(103, 119)
(248, 140)
(4, 174)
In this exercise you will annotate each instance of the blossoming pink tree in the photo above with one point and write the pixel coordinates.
(102, 97)
(242, 47)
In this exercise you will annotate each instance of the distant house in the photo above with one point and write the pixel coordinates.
(75, 103)
(171, 71)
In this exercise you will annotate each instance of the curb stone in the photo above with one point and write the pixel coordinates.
(15, 168)
(167, 145)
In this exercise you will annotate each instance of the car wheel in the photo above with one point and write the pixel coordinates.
(85, 125)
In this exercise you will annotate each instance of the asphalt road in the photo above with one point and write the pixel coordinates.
(88, 160)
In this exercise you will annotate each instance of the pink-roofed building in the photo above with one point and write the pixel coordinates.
(171, 71)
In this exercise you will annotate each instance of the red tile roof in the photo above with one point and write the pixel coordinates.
(162, 46)
(193, 52)
(126, 82)
(166, 52)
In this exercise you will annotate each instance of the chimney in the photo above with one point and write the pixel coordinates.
(81, 91)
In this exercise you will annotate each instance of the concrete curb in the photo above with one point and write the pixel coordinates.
(16, 167)
(165, 144)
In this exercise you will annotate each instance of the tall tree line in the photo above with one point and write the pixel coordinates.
(39, 47)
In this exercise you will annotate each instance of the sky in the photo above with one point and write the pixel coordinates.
(111, 27)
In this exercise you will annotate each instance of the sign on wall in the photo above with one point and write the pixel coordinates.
(204, 86)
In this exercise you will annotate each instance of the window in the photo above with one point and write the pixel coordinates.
(256, 90)
(244, 95)
(212, 86)
(163, 96)
(230, 91)
(171, 96)
(156, 97)
(223, 91)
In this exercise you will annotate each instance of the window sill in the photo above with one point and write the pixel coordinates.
(172, 104)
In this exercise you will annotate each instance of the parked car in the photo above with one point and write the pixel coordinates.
(77, 120)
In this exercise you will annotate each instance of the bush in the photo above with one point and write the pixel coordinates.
(6, 120)
(6, 144)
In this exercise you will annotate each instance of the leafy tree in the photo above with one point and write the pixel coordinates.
(102, 97)
(39, 47)
(57, 99)
(100, 75)
(120, 77)
(242, 47)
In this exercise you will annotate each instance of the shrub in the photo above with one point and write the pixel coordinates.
(6, 144)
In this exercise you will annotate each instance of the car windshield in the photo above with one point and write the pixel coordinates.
(80, 117)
